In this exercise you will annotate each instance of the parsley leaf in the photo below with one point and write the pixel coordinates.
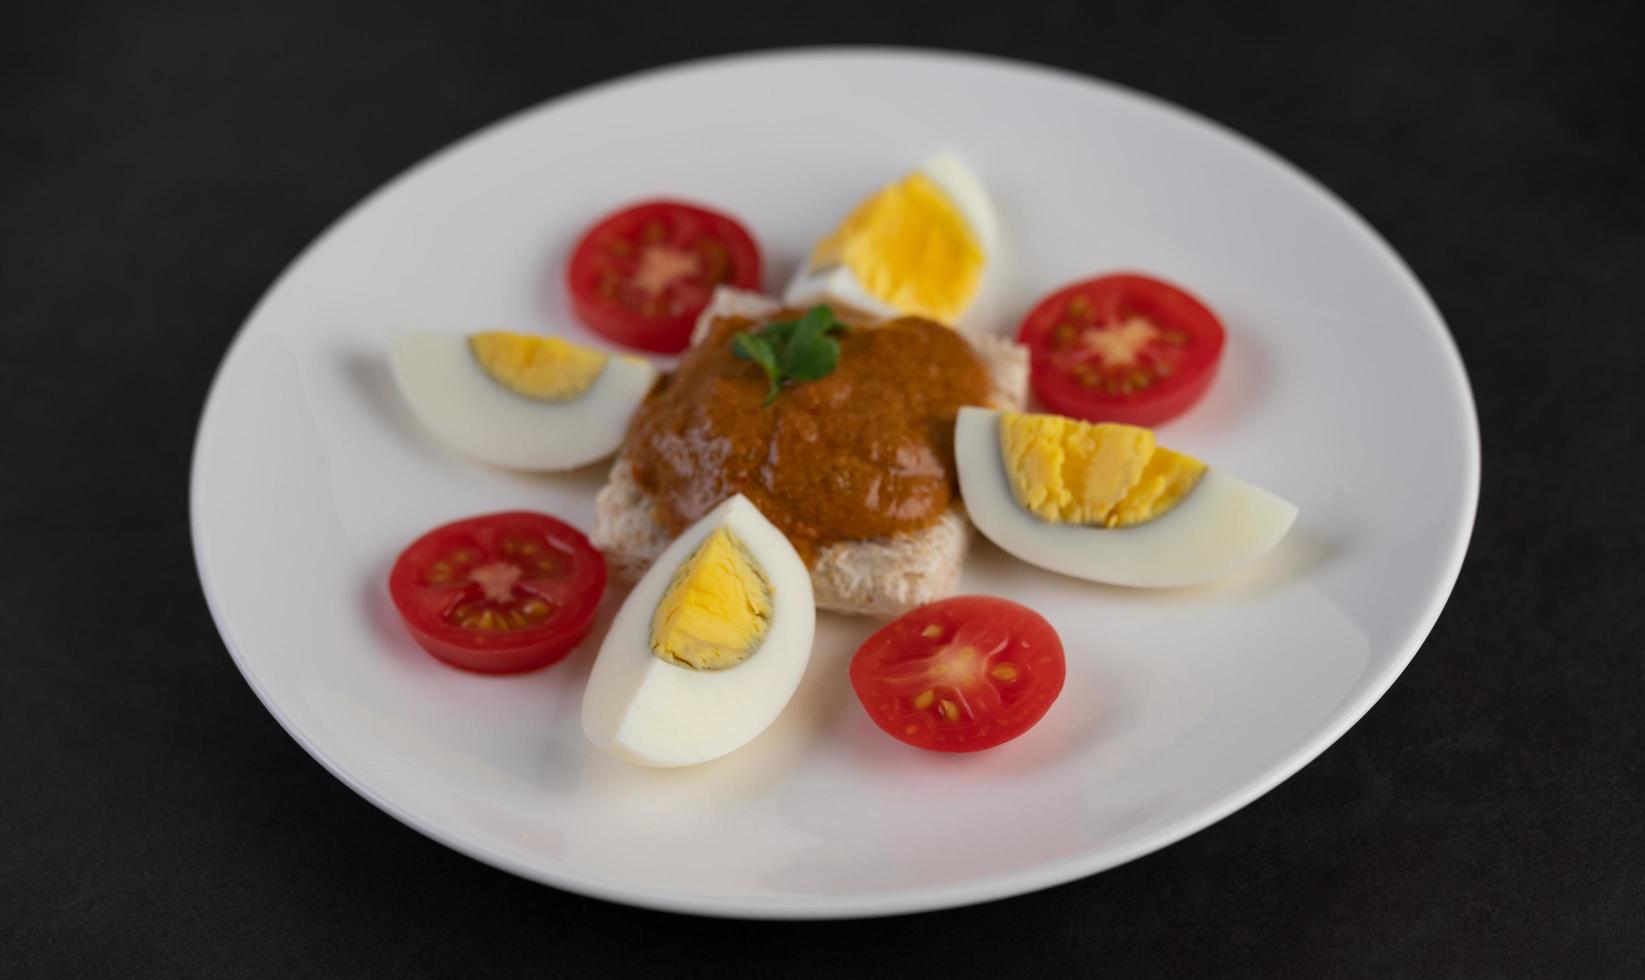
(753, 347)
(810, 353)
(794, 350)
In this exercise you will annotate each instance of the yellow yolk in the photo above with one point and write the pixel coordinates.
(1166, 479)
(1069, 472)
(910, 247)
(717, 608)
(543, 368)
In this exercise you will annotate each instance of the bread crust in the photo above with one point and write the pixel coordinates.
(877, 577)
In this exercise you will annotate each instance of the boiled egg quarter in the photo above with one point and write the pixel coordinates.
(518, 401)
(709, 646)
(916, 247)
(1102, 502)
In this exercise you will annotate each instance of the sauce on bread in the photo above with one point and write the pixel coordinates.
(865, 452)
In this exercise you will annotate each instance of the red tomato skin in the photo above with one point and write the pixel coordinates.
(500, 653)
(658, 334)
(1161, 402)
(1149, 414)
(1031, 634)
(502, 660)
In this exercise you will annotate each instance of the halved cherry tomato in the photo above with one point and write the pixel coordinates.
(500, 593)
(1122, 348)
(960, 675)
(642, 275)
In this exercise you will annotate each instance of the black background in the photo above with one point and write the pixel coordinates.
(163, 163)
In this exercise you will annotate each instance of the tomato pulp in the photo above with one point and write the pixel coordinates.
(499, 593)
(960, 675)
(641, 276)
(1122, 348)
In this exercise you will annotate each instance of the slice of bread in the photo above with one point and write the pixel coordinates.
(878, 577)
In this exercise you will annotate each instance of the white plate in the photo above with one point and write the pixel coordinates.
(1340, 390)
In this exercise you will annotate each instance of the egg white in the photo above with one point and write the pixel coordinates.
(455, 399)
(1222, 524)
(838, 284)
(646, 710)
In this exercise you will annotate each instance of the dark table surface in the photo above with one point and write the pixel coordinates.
(160, 167)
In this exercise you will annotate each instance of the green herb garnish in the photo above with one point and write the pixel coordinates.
(795, 350)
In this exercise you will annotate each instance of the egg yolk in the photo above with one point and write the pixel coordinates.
(1070, 472)
(910, 247)
(717, 608)
(542, 368)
